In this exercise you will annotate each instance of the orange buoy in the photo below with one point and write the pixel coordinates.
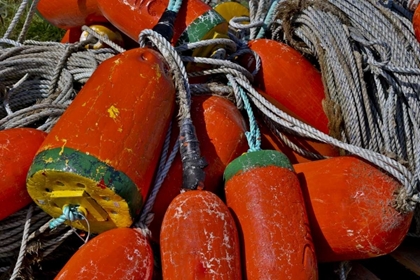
(416, 23)
(220, 128)
(102, 154)
(349, 204)
(195, 20)
(290, 79)
(18, 148)
(72, 35)
(121, 253)
(199, 239)
(70, 13)
(264, 196)
(270, 141)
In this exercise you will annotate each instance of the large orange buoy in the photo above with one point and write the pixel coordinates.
(220, 128)
(199, 239)
(70, 13)
(270, 141)
(291, 80)
(416, 23)
(264, 196)
(102, 154)
(195, 21)
(349, 204)
(18, 147)
(121, 253)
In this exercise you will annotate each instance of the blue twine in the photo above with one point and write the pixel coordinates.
(70, 213)
(268, 19)
(253, 136)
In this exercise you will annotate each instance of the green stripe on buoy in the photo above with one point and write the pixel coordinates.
(199, 28)
(256, 159)
(87, 166)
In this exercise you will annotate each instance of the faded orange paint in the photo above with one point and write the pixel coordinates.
(274, 230)
(17, 150)
(199, 239)
(290, 79)
(349, 204)
(121, 253)
(121, 119)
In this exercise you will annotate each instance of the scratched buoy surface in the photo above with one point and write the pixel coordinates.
(18, 147)
(349, 204)
(199, 239)
(103, 151)
(264, 196)
(122, 253)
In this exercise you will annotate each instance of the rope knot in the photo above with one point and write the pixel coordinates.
(70, 213)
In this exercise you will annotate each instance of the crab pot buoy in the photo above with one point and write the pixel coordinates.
(18, 149)
(194, 22)
(199, 239)
(416, 23)
(121, 253)
(269, 140)
(289, 78)
(264, 196)
(70, 13)
(349, 204)
(220, 128)
(102, 153)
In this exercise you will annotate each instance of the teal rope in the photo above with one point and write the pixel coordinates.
(174, 5)
(69, 213)
(253, 136)
(268, 19)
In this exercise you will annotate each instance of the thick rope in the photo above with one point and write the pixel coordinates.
(22, 250)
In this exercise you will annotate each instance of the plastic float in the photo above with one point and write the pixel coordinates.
(350, 208)
(220, 128)
(291, 80)
(199, 239)
(265, 198)
(102, 153)
(67, 14)
(121, 253)
(17, 151)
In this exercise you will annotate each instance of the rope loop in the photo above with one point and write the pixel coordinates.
(70, 213)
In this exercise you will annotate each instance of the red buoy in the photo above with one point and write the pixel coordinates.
(199, 239)
(18, 147)
(102, 153)
(264, 196)
(121, 253)
(293, 81)
(350, 208)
